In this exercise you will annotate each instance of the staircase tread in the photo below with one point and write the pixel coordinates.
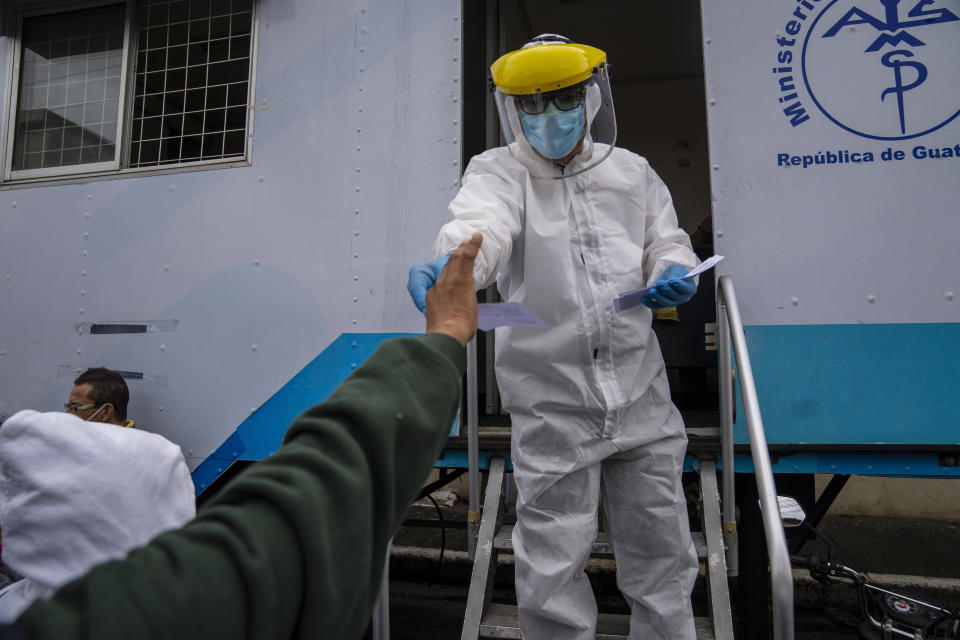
(500, 621)
(503, 541)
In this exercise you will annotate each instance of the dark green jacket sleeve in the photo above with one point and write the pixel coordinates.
(294, 546)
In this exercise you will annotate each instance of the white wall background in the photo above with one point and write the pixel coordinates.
(355, 157)
(842, 243)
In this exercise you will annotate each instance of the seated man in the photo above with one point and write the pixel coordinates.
(294, 546)
(100, 395)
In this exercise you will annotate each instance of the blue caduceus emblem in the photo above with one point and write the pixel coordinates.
(885, 69)
(899, 88)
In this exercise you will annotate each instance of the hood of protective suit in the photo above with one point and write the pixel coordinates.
(74, 494)
(540, 167)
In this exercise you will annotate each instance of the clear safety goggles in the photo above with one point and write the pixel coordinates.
(563, 99)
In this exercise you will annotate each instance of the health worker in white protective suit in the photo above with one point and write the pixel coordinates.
(569, 222)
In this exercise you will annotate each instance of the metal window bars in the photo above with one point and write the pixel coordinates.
(192, 77)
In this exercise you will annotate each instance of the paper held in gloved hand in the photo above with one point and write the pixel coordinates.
(501, 314)
(631, 299)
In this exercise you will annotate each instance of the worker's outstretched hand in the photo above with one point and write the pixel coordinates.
(422, 276)
(670, 289)
(452, 301)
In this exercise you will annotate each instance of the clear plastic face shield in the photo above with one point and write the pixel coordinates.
(560, 133)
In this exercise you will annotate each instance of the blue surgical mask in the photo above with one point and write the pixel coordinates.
(554, 133)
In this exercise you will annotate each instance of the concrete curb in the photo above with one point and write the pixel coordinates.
(896, 581)
(808, 592)
(430, 554)
(943, 592)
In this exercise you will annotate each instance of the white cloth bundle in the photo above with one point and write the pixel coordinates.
(74, 494)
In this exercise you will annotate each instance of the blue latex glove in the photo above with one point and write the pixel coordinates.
(670, 290)
(423, 276)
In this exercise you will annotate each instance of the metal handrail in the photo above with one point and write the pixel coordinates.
(473, 449)
(781, 573)
(729, 515)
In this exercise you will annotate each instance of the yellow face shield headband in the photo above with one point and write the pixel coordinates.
(545, 68)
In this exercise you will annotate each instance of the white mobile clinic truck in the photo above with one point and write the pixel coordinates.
(221, 198)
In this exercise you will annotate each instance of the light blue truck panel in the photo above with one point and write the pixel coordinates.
(890, 384)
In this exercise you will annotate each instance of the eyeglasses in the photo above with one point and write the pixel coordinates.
(71, 407)
(563, 99)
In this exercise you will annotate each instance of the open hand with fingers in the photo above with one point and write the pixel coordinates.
(451, 303)
(670, 289)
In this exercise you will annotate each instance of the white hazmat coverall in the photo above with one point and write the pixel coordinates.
(588, 397)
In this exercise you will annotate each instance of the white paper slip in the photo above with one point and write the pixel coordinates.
(709, 263)
(501, 314)
(630, 299)
(634, 298)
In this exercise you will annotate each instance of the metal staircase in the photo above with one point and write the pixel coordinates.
(485, 619)
(716, 544)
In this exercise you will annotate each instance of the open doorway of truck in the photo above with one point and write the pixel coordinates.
(656, 53)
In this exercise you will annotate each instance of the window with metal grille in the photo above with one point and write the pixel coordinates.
(69, 91)
(193, 66)
(128, 85)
